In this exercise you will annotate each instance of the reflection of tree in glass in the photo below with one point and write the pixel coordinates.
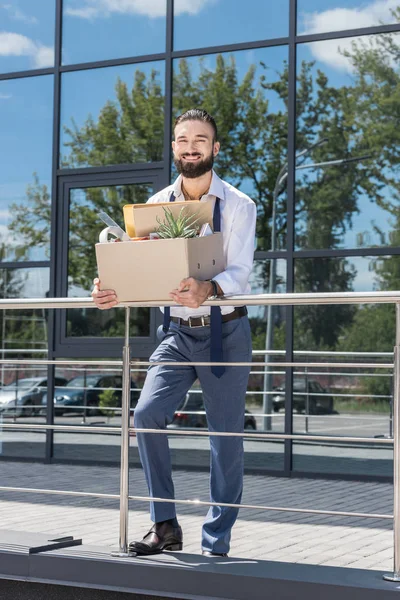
(356, 119)
(23, 328)
(129, 129)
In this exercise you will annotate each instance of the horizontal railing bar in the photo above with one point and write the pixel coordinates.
(266, 364)
(234, 300)
(322, 353)
(197, 503)
(196, 433)
(206, 364)
(58, 492)
(254, 352)
(72, 428)
(262, 507)
(39, 361)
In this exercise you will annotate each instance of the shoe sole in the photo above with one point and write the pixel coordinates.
(169, 548)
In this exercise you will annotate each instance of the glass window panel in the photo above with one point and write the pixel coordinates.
(345, 401)
(347, 178)
(218, 22)
(27, 35)
(94, 30)
(267, 276)
(22, 330)
(113, 115)
(84, 229)
(346, 327)
(245, 92)
(318, 16)
(26, 121)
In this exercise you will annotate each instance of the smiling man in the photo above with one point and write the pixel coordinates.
(193, 332)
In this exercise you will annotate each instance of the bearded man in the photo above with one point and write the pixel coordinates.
(193, 332)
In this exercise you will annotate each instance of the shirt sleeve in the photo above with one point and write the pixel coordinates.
(240, 251)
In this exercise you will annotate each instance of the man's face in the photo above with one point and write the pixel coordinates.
(194, 148)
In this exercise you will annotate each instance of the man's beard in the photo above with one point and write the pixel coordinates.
(193, 170)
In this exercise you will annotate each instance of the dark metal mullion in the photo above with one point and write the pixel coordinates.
(167, 153)
(268, 255)
(291, 160)
(283, 41)
(114, 62)
(344, 252)
(29, 264)
(52, 317)
(333, 35)
(114, 169)
(22, 74)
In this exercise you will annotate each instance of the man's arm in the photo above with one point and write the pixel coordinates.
(240, 255)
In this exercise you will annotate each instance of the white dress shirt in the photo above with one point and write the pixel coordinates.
(238, 223)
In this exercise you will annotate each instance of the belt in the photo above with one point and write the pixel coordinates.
(205, 320)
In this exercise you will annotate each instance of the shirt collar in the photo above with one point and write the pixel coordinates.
(216, 187)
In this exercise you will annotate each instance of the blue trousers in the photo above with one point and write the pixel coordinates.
(165, 389)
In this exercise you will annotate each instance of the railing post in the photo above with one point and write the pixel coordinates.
(396, 462)
(124, 473)
(307, 411)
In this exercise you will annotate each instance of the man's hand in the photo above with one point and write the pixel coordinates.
(192, 293)
(103, 299)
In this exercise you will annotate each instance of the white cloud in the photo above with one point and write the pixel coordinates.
(338, 19)
(44, 57)
(15, 44)
(5, 97)
(150, 8)
(17, 14)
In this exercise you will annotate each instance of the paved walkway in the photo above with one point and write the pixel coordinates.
(276, 536)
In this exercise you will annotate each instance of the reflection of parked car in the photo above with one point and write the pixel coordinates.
(319, 401)
(24, 396)
(81, 391)
(193, 403)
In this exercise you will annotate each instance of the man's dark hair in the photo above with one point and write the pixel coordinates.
(198, 114)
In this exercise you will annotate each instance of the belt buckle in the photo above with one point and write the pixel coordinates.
(203, 323)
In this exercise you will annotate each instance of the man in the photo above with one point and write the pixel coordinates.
(188, 337)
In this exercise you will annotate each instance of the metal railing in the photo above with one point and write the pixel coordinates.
(125, 429)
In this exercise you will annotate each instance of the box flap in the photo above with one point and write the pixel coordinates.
(141, 219)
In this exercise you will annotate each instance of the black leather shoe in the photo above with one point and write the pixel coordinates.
(205, 553)
(160, 537)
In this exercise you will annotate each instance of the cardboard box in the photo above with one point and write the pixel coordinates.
(141, 219)
(150, 270)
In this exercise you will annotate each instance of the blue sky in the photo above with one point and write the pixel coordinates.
(26, 118)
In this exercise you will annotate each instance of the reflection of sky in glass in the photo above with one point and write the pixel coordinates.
(26, 35)
(85, 93)
(105, 29)
(26, 117)
(317, 16)
(329, 59)
(365, 279)
(24, 283)
(201, 23)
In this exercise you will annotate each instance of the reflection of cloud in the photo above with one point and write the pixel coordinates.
(17, 14)
(15, 44)
(89, 9)
(338, 19)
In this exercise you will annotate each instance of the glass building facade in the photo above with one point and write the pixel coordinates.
(306, 97)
